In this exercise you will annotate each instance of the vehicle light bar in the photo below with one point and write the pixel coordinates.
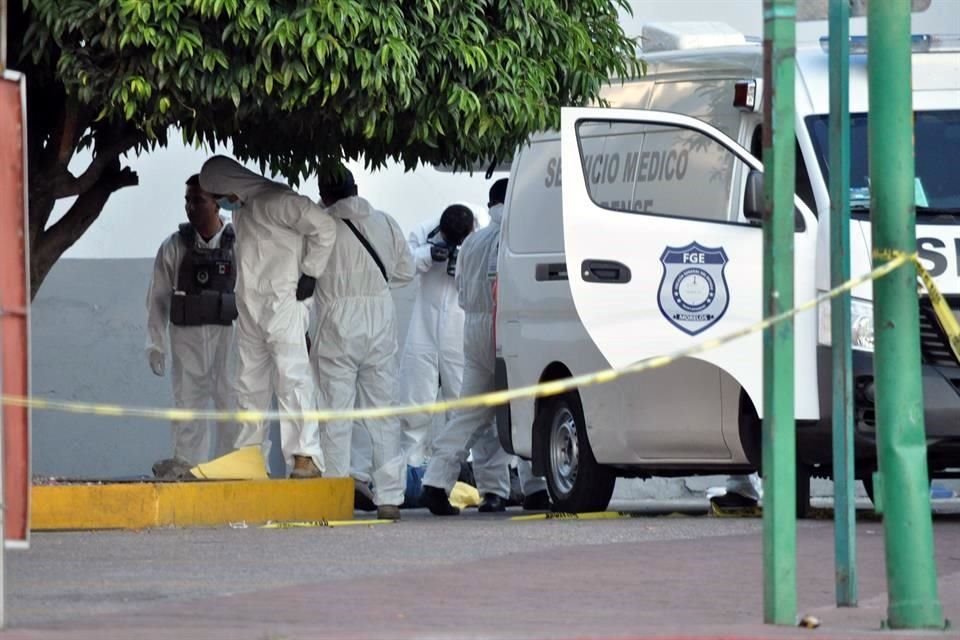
(919, 43)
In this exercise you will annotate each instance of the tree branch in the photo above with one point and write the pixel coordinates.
(66, 185)
(52, 243)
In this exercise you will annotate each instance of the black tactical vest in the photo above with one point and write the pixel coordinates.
(205, 282)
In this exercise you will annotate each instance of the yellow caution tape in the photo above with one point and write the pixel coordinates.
(323, 523)
(593, 515)
(942, 311)
(555, 387)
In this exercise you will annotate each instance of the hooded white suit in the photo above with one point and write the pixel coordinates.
(474, 429)
(202, 366)
(355, 345)
(433, 351)
(280, 234)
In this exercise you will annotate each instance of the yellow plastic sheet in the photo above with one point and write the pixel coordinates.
(245, 463)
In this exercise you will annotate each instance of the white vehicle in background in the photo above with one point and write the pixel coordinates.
(635, 231)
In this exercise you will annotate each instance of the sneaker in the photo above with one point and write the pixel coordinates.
(435, 499)
(303, 468)
(388, 512)
(537, 501)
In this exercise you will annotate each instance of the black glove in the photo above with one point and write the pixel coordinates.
(439, 252)
(305, 287)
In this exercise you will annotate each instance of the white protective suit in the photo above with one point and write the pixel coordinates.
(474, 429)
(280, 234)
(202, 365)
(432, 354)
(748, 486)
(529, 483)
(355, 344)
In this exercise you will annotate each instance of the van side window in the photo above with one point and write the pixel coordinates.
(639, 167)
(535, 223)
(803, 186)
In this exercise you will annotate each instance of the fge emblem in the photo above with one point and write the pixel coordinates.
(693, 292)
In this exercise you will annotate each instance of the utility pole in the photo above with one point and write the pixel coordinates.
(3, 35)
(844, 501)
(901, 437)
(779, 430)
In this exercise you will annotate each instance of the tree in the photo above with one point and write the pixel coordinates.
(295, 85)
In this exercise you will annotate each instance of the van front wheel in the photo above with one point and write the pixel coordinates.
(577, 483)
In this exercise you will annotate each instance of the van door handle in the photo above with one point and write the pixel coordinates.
(547, 271)
(605, 271)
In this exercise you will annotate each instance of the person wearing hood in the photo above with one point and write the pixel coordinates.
(473, 429)
(284, 241)
(191, 294)
(432, 358)
(355, 343)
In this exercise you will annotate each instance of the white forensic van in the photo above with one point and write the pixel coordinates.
(635, 231)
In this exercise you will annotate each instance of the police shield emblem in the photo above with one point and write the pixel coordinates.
(693, 292)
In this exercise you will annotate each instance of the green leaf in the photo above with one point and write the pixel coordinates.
(426, 81)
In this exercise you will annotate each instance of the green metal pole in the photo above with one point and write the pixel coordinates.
(779, 437)
(844, 502)
(901, 442)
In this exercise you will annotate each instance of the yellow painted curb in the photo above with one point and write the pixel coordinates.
(188, 504)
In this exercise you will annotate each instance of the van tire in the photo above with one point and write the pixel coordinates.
(577, 484)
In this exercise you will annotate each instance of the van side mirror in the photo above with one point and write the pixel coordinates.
(753, 197)
(753, 202)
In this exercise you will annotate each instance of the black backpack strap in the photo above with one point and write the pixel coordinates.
(188, 235)
(366, 245)
(228, 238)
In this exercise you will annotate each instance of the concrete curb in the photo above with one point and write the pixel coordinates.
(146, 505)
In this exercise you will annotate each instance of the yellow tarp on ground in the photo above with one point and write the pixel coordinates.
(245, 463)
(463, 495)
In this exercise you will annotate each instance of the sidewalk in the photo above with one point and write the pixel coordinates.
(704, 588)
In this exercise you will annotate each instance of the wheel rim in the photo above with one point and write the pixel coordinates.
(564, 451)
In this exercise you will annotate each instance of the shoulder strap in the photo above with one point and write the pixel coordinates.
(188, 234)
(366, 245)
(228, 237)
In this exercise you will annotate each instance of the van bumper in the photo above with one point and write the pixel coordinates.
(504, 426)
(941, 402)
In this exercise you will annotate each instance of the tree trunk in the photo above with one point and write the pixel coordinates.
(47, 245)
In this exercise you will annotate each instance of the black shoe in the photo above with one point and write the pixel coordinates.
(492, 503)
(363, 496)
(172, 469)
(435, 499)
(537, 501)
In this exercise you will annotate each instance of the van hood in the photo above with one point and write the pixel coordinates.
(938, 246)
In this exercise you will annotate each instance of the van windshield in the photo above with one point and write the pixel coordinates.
(937, 144)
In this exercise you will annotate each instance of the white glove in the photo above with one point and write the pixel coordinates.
(158, 362)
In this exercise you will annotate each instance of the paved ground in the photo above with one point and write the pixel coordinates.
(476, 576)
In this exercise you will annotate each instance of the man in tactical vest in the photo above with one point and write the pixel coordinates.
(192, 289)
